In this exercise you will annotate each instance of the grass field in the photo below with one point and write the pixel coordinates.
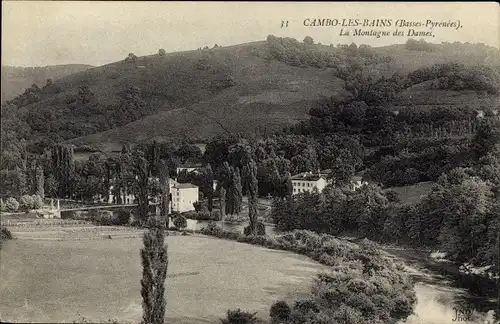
(413, 194)
(45, 280)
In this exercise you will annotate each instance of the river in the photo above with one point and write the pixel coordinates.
(444, 294)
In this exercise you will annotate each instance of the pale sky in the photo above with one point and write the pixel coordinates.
(39, 33)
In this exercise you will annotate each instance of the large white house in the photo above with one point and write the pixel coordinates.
(183, 197)
(308, 182)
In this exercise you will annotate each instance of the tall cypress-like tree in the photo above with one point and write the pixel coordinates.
(64, 167)
(224, 177)
(253, 194)
(222, 192)
(154, 259)
(154, 255)
(154, 158)
(288, 186)
(40, 182)
(237, 191)
(208, 181)
(164, 191)
(22, 185)
(142, 181)
(234, 193)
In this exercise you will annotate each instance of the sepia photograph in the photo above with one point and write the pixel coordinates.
(216, 162)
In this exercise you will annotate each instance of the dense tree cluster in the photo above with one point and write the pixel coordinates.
(343, 59)
(419, 45)
(453, 76)
(459, 216)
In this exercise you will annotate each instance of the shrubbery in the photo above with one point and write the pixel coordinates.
(203, 215)
(108, 218)
(26, 203)
(11, 204)
(261, 229)
(240, 317)
(280, 312)
(363, 285)
(180, 222)
(37, 201)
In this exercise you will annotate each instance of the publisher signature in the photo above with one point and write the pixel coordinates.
(462, 315)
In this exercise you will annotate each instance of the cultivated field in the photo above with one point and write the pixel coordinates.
(56, 274)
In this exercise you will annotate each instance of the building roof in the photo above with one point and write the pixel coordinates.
(308, 176)
(184, 186)
(189, 166)
(357, 178)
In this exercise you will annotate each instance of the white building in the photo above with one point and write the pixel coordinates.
(183, 197)
(188, 168)
(308, 182)
(357, 183)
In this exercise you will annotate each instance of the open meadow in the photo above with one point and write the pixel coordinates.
(58, 274)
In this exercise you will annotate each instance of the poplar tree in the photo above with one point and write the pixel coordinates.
(234, 193)
(208, 183)
(154, 259)
(64, 167)
(253, 191)
(154, 255)
(224, 177)
(142, 180)
(164, 191)
(22, 185)
(40, 182)
(288, 185)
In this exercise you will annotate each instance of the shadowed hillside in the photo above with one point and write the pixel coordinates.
(16, 79)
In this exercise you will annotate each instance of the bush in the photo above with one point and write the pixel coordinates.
(239, 317)
(162, 52)
(11, 204)
(280, 312)
(306, 305)
(247, 230)
(26, 203)
(348, 294)
(123, 217)
(198, 206)
(180, 222)
(202, 215)
(131, 57)
(5, 234)
(104, 218)
(216, 215)
(108, 218)
(37, 201)
(261, 228)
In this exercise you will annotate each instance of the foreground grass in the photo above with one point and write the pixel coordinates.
(363, 286)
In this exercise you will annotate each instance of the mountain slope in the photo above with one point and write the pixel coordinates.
(16, 79)
(196, 94)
